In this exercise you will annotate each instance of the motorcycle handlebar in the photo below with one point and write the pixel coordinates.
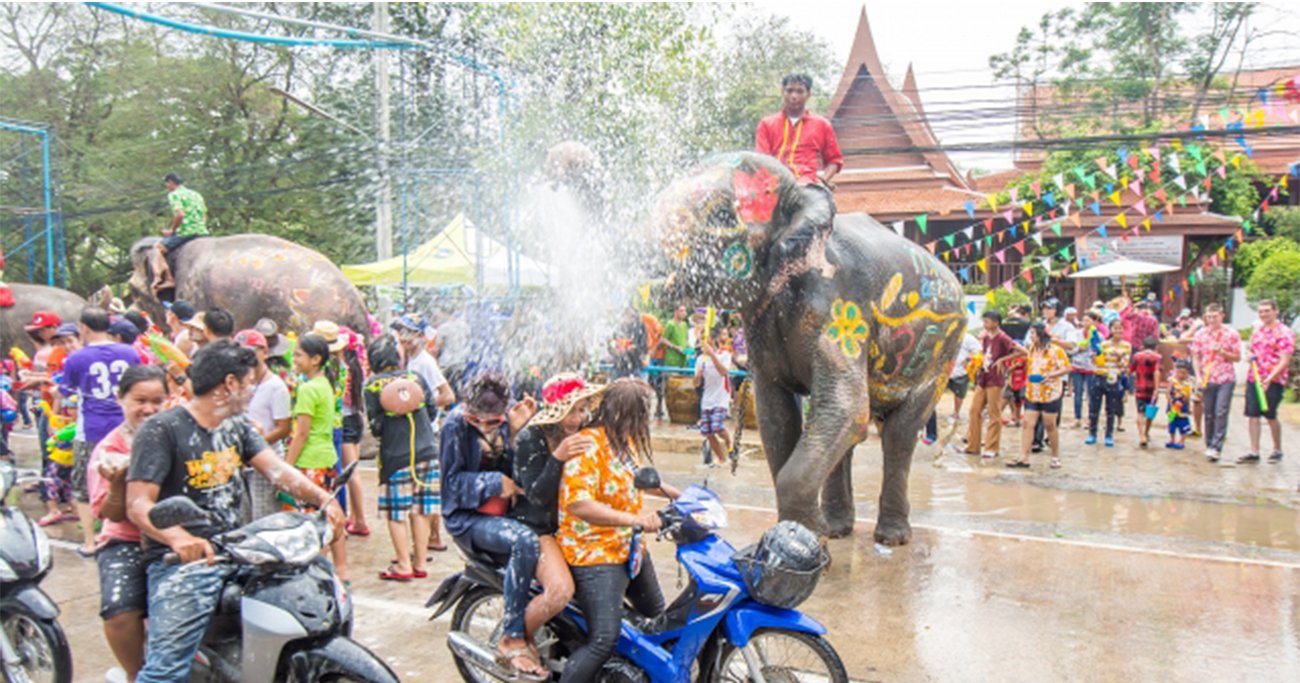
(173, 558)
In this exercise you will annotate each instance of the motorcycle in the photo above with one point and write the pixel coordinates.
(32, 644)
(718, 629)
(283, 614)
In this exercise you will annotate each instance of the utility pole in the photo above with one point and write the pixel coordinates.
(384, 205)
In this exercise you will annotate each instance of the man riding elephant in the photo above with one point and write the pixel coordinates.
(254, 277)
(189, 221)
(861, 322)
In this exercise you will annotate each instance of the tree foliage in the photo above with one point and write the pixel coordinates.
(1278, 278)
(1251, 254)
(648, 87)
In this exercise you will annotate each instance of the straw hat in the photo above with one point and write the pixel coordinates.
(329, 331)
(560, 394)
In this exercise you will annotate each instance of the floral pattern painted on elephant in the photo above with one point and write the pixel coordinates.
(847, 328)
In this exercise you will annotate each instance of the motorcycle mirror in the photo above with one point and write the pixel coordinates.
(176, 511)
(647, 478)
(345, 475)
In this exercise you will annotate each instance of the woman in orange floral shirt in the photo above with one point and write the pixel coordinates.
(598, 508)
(1047, 365)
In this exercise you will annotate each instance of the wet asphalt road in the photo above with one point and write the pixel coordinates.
(1123, 565)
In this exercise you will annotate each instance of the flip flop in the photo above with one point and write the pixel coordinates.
(1017, 464)
(47, 520)
(419, 573)
(85, 555)
(505, 660)
(1055, 464)
(353, 530)
(440, 548)
(391, 574)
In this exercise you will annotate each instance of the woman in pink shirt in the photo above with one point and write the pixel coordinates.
(123, 585)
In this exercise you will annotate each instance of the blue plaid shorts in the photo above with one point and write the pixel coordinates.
(713, 421)
(400, 495)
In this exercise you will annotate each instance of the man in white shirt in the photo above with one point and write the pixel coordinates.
(270, 412)
(711, 372)
(958, 384)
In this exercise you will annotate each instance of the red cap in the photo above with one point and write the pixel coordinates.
(42, 320)
(251, 339)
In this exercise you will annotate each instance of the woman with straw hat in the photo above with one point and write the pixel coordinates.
(541, 449)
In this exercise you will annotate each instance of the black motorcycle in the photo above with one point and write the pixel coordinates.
(32, 643)
(283, 614)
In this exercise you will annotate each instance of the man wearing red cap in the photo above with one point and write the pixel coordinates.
(36, 377)
(270, 412)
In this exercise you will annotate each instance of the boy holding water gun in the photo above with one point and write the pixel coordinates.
(1181, 386)
(1112, 366)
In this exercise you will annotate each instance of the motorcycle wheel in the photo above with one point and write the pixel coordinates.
(478, 614)
(42, 645)
(786, 656)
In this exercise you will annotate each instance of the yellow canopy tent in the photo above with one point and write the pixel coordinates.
(445, 259)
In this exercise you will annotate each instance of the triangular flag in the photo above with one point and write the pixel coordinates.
(1007, 286)
(1115, 198)
(898, 227)
(983, 264)
(993, 202)
(1141, 206)
(1147, 224)
(1101, 230)
(950, 239)
(1046, 264)
(1015, 193)
(1096, 208)
(1028, 276)
(1038, 188)
(1037, 237)
(970, 208)
(1136, 187)
(1029, 208)
(930, 246)
(1122, 220)
(1056, 228)
(998, 255)
(921, 220)
(1020, 247)
(969, 232)
(1070, 191)
(1059, 180)
(1009, 217)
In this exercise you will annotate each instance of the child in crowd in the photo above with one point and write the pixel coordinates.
(312, 447)
(711, 370)
(1112, 366)
(1145, 370)
(1017, 379)
(1181, 386)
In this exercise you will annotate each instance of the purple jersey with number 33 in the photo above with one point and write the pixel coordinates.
(91, 373)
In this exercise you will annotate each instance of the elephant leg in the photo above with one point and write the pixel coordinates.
(898, 441)
(779, 421)
(837, 498)
(837, 421)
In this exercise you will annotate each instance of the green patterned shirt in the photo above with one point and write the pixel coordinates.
(192, 207)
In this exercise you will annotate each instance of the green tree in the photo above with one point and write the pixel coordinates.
(1251, 254)
(1278, 278)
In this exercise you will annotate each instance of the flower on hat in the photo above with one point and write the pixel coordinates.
(557, 389)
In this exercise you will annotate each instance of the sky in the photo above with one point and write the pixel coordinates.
(949, 44)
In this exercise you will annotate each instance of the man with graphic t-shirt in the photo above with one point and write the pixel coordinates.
(998, 348)
(197, 450)
(90, 377)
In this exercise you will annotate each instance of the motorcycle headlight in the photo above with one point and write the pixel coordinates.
(43, 555)
(711, 515)
(296, 545)
(7, 573)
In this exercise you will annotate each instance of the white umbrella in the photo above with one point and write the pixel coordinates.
(1122, 267)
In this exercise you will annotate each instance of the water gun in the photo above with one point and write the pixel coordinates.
(973, 365)
(64, 431)
(1260, 395)
(710, 318)
(167, 351)
(21, 358)
(1094, 339)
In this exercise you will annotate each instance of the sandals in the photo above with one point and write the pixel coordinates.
(1055, 464)
(1023, 464)
(439, 548)
(391, 574)
(1249, 458)
(50, 519)
(505, 660)
(354, 530)
(419, 573)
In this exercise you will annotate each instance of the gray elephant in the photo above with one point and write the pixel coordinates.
(838, 309)
(253, 276)
(27, 300)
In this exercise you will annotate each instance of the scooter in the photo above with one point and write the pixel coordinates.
(32, 644)
(718, 628)
(283, 614)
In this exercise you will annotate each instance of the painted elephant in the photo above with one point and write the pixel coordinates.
(838, 309)
(27, 300)
(253, 276)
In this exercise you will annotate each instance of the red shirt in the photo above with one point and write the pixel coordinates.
(804, 147)
(1144, 367)
(995, 347)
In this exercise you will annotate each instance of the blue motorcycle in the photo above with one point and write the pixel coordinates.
(734, 621)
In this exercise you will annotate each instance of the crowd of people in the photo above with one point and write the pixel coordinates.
(250, 422)
(1020, 373)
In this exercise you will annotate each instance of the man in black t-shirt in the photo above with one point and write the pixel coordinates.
(198, 450)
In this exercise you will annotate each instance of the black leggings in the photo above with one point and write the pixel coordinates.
(600, 590)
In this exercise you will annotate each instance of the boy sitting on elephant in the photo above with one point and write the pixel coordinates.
(189, 221)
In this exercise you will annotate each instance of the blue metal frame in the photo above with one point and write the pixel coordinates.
(44, 134)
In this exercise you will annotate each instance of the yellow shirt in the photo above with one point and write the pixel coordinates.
(1053, 359)
(1113, 361)
(599, 475)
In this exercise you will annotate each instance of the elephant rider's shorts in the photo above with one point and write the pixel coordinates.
(171, 244)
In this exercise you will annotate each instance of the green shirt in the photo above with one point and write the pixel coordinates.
(193, 210)
(316, 398)
(676, 333)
